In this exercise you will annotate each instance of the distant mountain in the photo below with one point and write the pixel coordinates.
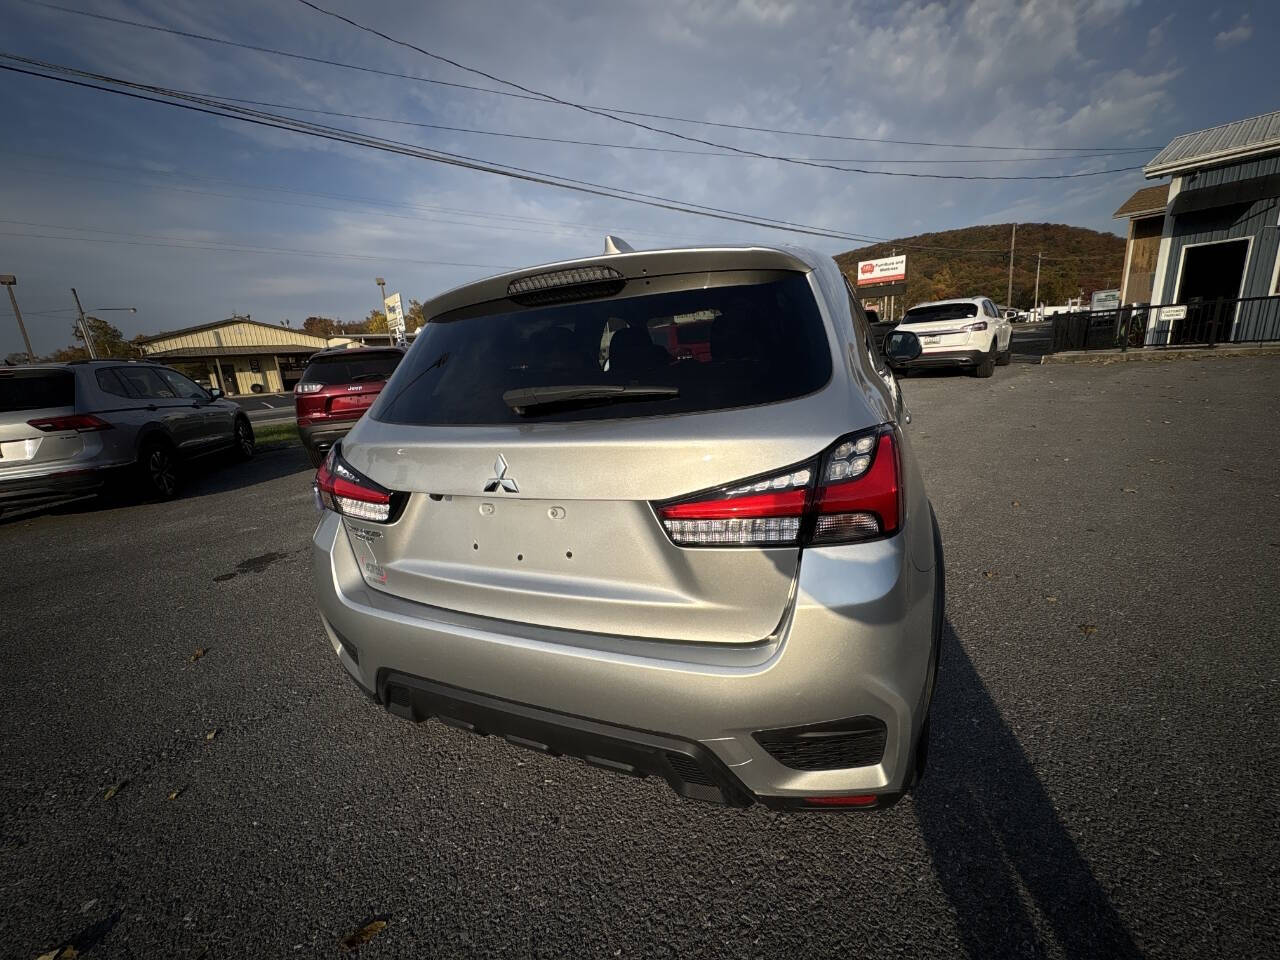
(949, 264)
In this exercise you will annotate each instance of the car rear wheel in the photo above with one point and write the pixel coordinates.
(159, 468)
(244, 441)
(316, 456)
(987, 365)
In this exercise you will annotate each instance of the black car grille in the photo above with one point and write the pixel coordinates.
(858, 742)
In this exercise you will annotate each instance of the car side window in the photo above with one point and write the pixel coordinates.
(989, 308)
(145, 383)
(110, 382)
(862, 328)
(182, 386)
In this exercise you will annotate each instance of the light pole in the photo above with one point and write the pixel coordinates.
(10, 281)
(84, 326)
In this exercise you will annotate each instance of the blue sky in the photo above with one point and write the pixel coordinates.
(137, 204)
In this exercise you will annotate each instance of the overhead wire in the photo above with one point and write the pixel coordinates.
(190, 35)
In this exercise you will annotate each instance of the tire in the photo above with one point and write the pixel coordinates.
(243, 444)
(921, 753)
(987, 366)
(159, 470)
(256, 388)
(316, 456)
(1004, 359)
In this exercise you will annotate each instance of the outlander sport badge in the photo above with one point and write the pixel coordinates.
(500, 478)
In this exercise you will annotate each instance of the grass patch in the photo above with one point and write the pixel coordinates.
(277, 435)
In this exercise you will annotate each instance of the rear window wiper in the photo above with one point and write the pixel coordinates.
(524, 399)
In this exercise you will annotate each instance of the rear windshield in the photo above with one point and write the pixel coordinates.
(358, 366)
(709, 348)
(36, 389)
(941, 311)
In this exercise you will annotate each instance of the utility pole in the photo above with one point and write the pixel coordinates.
(84, 327)
(1035, 304)
(10, 281)
(1008, 300)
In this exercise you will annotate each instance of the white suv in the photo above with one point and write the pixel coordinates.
(960, 333)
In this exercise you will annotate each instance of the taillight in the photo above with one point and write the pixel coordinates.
(343, 489)
(81, 423)
(308, 388)
(979, 325)
(851, 493)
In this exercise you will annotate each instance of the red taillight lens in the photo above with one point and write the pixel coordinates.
(865, 507)
(852, 493)
(343, 489)
(852, 800)
(81, 423)
(762, 512)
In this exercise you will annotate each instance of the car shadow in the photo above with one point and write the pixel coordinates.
(212, 475)
(999, 848)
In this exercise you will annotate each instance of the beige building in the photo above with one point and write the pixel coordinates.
(239, 355)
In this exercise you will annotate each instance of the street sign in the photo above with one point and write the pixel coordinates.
(395, 316)
(1105, 300)
(1173, 313)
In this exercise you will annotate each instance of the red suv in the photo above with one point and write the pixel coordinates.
(336, 389)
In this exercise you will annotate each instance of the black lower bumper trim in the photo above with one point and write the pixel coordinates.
(690, 768)
(947, 358)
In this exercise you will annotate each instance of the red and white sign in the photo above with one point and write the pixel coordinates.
(886, 270)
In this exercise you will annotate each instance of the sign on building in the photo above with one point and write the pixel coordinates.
(1105, 300)
(395, 316)
(885, 277)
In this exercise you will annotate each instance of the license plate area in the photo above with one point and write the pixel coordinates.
(931, 339)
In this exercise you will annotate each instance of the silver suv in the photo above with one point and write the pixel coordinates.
(655, 510)
(70, 429)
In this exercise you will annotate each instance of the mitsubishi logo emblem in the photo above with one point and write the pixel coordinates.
(500, 479)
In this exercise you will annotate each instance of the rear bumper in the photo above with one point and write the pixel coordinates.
(51, 487)
(857, 643)
(947, 358)
(322, 436)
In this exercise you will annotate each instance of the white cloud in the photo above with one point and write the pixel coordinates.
(1238, 34)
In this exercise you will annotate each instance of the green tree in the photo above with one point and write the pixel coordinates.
(376, 322)
(108, 341)
(414, 317)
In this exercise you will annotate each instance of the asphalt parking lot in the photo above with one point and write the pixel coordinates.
(1103, 775)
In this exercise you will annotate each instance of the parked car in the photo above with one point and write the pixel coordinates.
(718, 568)
(336, 389)
(960, 333)
(70, 429)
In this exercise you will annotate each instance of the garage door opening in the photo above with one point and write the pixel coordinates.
(1211, 272)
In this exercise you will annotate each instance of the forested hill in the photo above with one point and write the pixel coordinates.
(953, 263)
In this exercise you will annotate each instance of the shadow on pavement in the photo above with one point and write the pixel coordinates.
(998, 847)
(211, 476)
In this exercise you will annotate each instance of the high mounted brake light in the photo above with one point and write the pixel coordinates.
(559, 286)
(343, 489)
(851, 493)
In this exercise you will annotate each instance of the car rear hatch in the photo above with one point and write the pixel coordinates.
(342, 386)
(943, 326)
(530, 442)
(37, 431)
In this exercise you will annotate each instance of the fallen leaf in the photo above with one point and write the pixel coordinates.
(200, 652)
(1051, 599)
(1128, 489)
(354, 941)
(1017, 503)
(114, 789)
(175, 794)
(1156, 460)
(991, 574)
(211, 734)
(67, 952)
(1088, 629)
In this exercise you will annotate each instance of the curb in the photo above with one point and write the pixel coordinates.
(1148, 355)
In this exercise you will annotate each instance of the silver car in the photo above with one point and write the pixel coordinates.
(71, 429)
(654, 510)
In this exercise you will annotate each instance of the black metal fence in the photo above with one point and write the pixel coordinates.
(1197, 323)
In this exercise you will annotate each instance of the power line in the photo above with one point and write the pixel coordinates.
(330, 133)
(632, 146)
(541, 99)
(260, 118)
(595, 111)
